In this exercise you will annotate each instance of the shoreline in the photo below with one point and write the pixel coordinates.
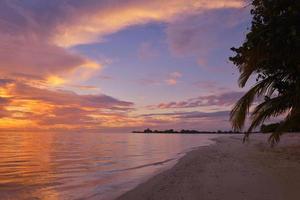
(229, 170)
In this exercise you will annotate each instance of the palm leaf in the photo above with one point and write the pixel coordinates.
(292, 120)
(270, 108)
(241, 108)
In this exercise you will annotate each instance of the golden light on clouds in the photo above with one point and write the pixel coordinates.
(92, 26)
(81, 73)
(4, 93)
(25, 106)
(16, 124)
(48, 82)
(55, 80)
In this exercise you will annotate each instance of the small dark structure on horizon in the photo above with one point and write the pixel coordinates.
(186, 131)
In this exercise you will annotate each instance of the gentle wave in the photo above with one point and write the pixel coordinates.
(146, 165)
(84, 165)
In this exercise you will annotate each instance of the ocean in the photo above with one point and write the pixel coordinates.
(54, 166)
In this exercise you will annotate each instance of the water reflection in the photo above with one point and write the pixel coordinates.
(83, 165)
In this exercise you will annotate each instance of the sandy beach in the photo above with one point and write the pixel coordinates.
(230, 170)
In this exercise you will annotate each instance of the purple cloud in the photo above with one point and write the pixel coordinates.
(203, 34)
(61, 97)
(225, 99)
(50, 107)
(192, 114)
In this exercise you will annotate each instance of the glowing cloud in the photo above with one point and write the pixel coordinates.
(39, 62)
(99, 20)
(22, 105)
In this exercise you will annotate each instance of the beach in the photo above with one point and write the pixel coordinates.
(229, 170)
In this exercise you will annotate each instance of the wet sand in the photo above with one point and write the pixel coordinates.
(230, 170)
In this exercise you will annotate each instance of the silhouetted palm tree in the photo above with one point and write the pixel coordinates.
(272, 51)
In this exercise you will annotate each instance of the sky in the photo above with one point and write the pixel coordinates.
(119, 65)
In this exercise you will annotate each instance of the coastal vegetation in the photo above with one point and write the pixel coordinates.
(269, 128)
(184, 131)
(271, 52)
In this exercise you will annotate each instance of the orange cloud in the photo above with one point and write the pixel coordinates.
(23, 106)
(32, 42)
(35, 59)
(98, 20)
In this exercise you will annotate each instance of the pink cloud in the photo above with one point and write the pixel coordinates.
(173, 78)
(224, 99)
(61, 97)
(202, 34)
(25, 41)
(34, 36)
(35, 58)
(210, 86)
(49, 108)
(210, 121)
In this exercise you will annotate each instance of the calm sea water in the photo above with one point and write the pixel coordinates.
(85, 165)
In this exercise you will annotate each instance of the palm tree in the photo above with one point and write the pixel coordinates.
(271, 51)
(285, 102)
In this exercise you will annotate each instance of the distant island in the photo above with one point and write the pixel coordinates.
(265, 128)
(186, 131)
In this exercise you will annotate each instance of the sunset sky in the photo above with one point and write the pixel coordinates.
(119, 65)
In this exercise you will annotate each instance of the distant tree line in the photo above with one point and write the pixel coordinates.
(183, 131)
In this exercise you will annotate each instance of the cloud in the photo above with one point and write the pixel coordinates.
(4, 101)
(24, 107)
(170, 79)
(61, 97)
(25, 44)
(205, 34)
(210, 86)
(193, 114)
(173, 78)
(189, 120)
(33, 33)
(35, 58)
(4, 82)
(97, 19)
(72, 22)
(224, 99)
(50, 109)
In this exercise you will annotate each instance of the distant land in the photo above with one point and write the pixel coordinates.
(265, 128)
(185, 131)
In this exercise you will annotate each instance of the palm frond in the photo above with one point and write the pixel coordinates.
(270, 108)
(291, 120)
(241, 108)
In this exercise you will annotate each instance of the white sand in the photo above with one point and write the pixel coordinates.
(230, 170)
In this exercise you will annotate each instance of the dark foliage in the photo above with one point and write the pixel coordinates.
(269, 128)
(271, 52)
